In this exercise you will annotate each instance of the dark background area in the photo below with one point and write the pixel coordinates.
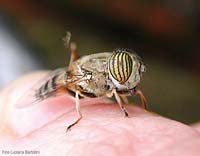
(165, 34)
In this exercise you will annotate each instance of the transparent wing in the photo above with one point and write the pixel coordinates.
(30, 96)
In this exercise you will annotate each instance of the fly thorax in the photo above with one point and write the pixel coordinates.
(101, 84)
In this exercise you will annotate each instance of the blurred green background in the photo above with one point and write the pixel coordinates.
(164, 33)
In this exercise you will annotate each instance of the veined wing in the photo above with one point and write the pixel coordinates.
(51, 85)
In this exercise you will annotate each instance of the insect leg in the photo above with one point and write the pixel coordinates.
(67, 39)
(71, 47)
(124, 99)
(121, 104)
(142, 98)
(77, 102)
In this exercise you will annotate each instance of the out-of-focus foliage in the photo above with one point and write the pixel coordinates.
(165, 34)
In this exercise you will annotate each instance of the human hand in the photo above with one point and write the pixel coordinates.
(102, 131)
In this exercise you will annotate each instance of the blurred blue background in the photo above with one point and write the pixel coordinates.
(164, 33)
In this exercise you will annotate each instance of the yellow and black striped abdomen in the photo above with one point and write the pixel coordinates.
(120, 66)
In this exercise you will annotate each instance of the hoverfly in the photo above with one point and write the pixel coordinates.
(104, 74)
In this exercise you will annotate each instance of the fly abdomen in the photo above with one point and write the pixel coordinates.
(51, 86)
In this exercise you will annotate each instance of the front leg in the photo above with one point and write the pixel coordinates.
(142, 97)
(119, 101)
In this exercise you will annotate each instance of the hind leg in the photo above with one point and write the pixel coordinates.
(77, 102)
(70, 47)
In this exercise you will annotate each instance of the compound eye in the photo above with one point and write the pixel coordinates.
(120, 66)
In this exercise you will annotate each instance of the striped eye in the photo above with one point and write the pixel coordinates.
(120, 66)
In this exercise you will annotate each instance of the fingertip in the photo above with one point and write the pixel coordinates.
(22, 121)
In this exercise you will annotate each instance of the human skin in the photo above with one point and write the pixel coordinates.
(103, 130)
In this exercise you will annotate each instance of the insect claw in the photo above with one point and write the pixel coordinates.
(126, 114)
(70, 126)
(68, 129)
